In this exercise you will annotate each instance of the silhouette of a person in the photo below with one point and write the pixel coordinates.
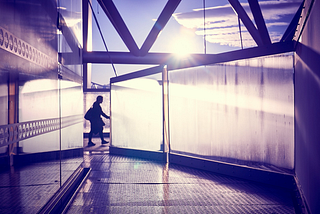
(96, 121)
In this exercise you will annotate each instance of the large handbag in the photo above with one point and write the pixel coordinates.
(88, 115)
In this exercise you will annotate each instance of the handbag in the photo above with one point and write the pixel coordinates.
(88, 115)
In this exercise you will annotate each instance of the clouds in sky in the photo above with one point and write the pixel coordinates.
(222, 25)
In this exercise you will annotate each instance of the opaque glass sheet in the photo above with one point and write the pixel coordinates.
(136, 110)
(241, 111)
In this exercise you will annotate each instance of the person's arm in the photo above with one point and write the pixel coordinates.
(102, 113)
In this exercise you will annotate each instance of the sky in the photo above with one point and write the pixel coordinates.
(185, 29)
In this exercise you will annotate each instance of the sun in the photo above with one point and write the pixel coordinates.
(181, 47)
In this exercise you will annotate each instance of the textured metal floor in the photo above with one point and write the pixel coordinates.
(27, 189)
(119, 184)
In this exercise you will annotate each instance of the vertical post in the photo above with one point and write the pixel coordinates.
(110, 115)
(13, 92)
(165, 113)
(204, 27)
(87, 42)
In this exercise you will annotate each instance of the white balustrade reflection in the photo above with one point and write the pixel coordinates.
(240, 111)
(41, 100)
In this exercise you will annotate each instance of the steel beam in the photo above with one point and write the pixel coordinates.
(260, 51)
(114, 16)
(159, 25)
(192, 60)
(246, 21)
(137, 74)
(124, 58)
(291, 30)
(259, 20)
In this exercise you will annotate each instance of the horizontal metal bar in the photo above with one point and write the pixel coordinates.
(124, 58)
(192, 60)
(137, 74)
(258, 175)
(198, 60)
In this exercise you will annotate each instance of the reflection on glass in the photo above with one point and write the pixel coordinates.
(71, 12)
(38, 101)
(240, 111)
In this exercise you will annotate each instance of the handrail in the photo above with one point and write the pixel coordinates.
(13, 133)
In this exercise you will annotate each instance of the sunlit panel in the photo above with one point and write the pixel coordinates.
(71, 106)
(136, 110)
(3, 104)
(38, 100)
(236, 111)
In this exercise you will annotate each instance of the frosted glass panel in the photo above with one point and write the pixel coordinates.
(3, 108)
(38, 100)
(136, 110)
(237, 112)
(71, 99)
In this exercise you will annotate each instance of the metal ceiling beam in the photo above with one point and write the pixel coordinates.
(137, 74)
(259, 20)
(114, 16)
(291, 30)
(124, 58)
(246, 21)
(159, 25)
(193, 60)
(202, 59)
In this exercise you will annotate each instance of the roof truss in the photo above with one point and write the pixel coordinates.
(142, 56)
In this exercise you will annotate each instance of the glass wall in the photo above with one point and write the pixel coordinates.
(240, 112)
(70, 86)
(3, 106)
(136, 111)
(41, 100)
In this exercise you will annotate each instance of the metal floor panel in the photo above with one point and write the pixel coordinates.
(120, 184)
(27, 189)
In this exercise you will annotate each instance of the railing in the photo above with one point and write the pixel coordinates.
(13, 133)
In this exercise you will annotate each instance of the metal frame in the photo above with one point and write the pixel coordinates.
(159, 25)
(258, 18)
(114, 16)
(142, 56)
(191, 60)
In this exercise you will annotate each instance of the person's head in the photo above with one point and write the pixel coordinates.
(99, 99)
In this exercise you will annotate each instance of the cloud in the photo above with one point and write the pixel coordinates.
(222, 25)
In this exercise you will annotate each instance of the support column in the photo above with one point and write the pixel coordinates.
(13, 110)
(165, 112)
